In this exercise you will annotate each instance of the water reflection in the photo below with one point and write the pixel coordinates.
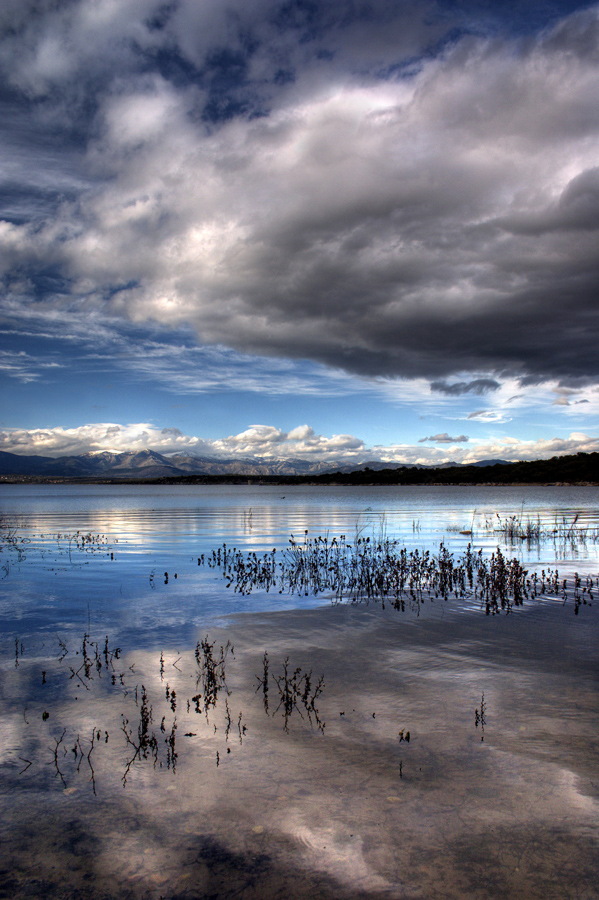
(137, 717)
(152, 701)
(204, 763)
(144, 516)
(291, 751)
(140, 564)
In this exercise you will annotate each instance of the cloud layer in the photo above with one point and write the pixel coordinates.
(270, 443)
(263, 441)
(306, 185)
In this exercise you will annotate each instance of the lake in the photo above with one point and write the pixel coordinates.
(178, 726)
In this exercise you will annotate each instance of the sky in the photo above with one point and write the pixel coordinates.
(322, 230)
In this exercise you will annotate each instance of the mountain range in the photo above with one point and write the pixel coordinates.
(147, 464)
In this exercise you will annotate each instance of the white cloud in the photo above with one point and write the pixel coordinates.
(88, 438)
(488, 415)
(301, 442)
(513, 450)
(508, 448)
(272, 443)
(258, 440)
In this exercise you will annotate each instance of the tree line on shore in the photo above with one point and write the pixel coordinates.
(580, 468)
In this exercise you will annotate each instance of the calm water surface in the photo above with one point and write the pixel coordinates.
(142, 533)
(150, 749)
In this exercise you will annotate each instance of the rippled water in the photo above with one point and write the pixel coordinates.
(142, 533)
(150, 749)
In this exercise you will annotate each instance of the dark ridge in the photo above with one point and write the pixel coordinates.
(580, 468)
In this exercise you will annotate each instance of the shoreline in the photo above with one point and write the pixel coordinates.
(287, 481)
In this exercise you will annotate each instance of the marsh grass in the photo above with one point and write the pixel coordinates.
(13, 542)
(379, 570)
(369, 569)
(517, 529)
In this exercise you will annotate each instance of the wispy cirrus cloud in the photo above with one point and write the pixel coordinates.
(25, 367)
(488, 415)
(90, 341)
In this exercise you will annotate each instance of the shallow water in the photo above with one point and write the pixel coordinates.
(134, 764)
(143, 536)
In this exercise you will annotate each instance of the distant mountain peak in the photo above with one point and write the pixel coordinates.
(146, 464)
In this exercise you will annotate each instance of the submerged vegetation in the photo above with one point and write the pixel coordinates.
(516, 529)
(367, 569)
(16, 545)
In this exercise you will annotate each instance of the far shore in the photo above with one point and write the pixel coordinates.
(581, 469)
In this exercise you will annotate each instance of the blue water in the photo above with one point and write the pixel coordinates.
(228, 801)
(125, 558)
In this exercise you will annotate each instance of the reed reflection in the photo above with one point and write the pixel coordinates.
(136, 709)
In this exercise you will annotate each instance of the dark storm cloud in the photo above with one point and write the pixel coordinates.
(458, 388)
(577, 209)
(400, 192)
